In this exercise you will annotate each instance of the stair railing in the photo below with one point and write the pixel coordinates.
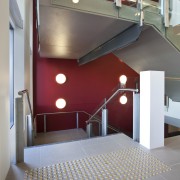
(29, 118)
(55, 113)
(94, 120)
(102, 108)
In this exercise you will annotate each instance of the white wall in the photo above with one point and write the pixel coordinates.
(28, 45)
(22, 62)
(4, 90)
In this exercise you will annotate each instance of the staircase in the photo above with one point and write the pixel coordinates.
(60, 136)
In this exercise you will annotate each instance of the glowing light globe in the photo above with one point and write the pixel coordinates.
(60, 78)
(60, 103)
(123, 79)
(123, 99)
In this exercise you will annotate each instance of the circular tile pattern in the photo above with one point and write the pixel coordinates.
(125, 164)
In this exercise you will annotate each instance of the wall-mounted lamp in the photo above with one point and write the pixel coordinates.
(61, 78)
(75, 1)
(123, 99)
(123, 79)
(60, 103)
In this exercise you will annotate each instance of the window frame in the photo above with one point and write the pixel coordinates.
(11, 79)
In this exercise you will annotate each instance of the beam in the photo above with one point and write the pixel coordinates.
(125, 38)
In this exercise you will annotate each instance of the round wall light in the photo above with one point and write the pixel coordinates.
(123, 99)
(75, 1)
(61, 78)
(60, 103)
(123, 79)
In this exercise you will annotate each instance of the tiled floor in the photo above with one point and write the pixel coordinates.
(41, 156)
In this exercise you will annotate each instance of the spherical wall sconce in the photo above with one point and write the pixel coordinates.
(75, 1)
(123, 99)
(60, 78)
(123, 79)
(60, 103)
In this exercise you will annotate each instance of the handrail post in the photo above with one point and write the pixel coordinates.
(104, 122)
(99, 128)
(35, 127)
(89, 129)
(77, 120)
(44, 123)
(108, 100)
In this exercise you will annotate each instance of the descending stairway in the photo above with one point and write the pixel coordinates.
(60, 136)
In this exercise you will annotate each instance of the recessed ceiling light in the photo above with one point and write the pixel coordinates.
(75, 1)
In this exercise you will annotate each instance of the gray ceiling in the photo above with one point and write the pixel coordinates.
(72, 34)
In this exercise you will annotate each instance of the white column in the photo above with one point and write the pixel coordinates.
(152, 109)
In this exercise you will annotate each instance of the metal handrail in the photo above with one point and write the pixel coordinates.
(30, 126)
(25, 91)
(107, 101)
(95, 119)
(109, 126)
(40, 114)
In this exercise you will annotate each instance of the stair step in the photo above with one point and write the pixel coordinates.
(60, 136)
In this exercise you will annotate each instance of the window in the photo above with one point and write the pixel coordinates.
(11, 63)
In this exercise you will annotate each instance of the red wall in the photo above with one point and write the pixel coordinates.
(85, 89)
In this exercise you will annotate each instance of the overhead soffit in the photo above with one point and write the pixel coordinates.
(72, 34)
(153, 52)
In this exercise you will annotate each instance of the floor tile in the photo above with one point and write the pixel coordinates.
(45, 155)
(174, 174)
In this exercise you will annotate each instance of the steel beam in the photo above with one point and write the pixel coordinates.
(125, 38)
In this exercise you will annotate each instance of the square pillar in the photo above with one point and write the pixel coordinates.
(152, 109)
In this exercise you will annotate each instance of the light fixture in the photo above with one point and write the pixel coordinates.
(123, 99)
(123, 79)
(61, 78)
(75, 1)
(60, 103)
